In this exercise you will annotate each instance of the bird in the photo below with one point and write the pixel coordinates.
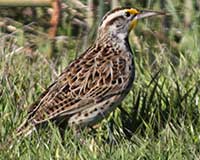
(94, 84)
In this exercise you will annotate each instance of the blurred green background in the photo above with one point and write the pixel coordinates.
(159, 119)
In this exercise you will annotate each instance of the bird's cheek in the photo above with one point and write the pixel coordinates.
(133, 24)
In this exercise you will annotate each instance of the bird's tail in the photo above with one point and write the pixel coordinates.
(25, 129)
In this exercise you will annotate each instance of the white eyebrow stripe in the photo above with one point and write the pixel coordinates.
(112, 16)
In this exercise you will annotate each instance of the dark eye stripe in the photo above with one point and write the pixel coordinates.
(127, 14)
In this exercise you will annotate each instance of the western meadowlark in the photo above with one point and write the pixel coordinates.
(93, 84)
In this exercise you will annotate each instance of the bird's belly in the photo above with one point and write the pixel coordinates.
(93, 115)
(97, 112)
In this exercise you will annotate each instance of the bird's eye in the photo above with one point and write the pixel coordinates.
(127, 14)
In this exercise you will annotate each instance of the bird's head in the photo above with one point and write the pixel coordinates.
(121, 21)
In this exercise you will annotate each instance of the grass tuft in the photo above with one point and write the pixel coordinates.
(159, 119)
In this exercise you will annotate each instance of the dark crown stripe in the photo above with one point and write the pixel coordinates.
(113, 11)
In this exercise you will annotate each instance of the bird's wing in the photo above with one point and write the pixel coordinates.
(90, 79)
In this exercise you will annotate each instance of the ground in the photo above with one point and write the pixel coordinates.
(159, 119)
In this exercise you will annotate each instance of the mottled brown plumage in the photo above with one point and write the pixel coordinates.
(92, 85)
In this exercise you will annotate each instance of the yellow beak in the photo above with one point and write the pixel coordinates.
(140, 14)
(147, 13)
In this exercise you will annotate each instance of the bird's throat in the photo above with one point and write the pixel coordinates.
(133, 25)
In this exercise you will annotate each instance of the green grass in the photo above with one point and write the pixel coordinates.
(159, 119)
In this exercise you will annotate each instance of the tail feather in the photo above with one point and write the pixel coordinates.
(25, 129)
